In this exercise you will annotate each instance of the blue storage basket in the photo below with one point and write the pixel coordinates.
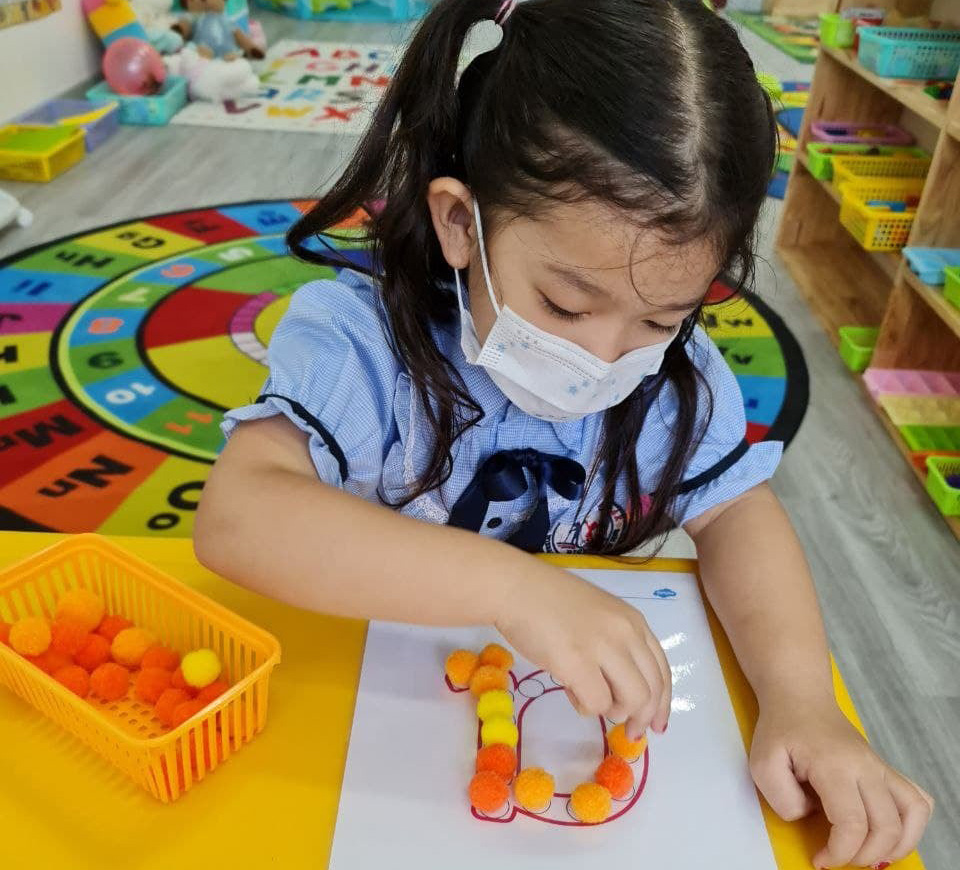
(910, 52)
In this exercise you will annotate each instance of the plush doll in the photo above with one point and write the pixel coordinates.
(210, 29)
(11, 212)
(211, 78)
(155, 17)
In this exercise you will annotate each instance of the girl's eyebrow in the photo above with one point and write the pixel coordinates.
(587, 286)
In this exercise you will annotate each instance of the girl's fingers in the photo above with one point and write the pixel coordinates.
(915, 807)
(628, 685)
(883, 819)
(662, 715)
(588, 690)
(646, 661)
(774, 777)
(846, 813)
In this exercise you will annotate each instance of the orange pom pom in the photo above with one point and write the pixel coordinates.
(160, 657)
(487, 678)
(30, 636)
(66, 637)
(534, 789)
(130, 646)
(499, 758)
(150, 684)
(488, 791)
(628, 750)
(110, 682)
(496, 655)
(50, 661)
(186, 710)
(209, 694)
(94, 652)
(178, 682)
(590, 803)
(81, 607)
(168, 701)
(111, 626)
(616, 776)
(461, 664)
(5, 633)
(75, 679)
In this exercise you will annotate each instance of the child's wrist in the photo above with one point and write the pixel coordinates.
(795, 695)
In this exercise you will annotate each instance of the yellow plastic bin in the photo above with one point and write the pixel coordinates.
(166, 762)
(880, 227)
(30, 152)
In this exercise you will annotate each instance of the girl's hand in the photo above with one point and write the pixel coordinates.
(876, 814)
(596, 646)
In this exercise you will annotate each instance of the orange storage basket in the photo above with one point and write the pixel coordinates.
(166, 762)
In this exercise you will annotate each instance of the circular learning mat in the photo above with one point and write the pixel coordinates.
(120, 349)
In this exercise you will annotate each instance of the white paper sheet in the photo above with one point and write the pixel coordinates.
(413, 747)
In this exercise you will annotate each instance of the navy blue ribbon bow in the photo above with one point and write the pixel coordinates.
(503, 478)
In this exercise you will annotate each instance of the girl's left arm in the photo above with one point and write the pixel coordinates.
(757, 579)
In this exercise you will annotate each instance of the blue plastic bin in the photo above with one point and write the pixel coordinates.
(55, 111)
(929, 263)
(154, 110)
(910, 52)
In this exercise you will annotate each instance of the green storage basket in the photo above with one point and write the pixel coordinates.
(857, 344)
(820, 155)
(945, 496)
(931, 438)
(951, 285)
(836, 31)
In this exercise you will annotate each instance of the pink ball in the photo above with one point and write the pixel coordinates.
(132, 66)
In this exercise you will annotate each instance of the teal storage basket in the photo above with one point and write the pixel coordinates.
(910, 53)
(152, 111)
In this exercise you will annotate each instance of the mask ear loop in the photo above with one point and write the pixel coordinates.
(483, 257)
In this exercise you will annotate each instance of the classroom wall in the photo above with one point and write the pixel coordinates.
(41, 59)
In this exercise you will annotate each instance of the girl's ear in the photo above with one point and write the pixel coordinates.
(451, 209)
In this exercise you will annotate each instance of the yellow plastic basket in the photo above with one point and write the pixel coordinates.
(859, 168)
(879, 229)
(34, 152)
(166, 762)
(911, 410)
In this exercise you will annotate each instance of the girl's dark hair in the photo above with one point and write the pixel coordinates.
(650, 106)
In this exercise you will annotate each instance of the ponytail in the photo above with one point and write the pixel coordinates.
(411, 140)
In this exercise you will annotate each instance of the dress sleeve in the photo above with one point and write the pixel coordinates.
(724, 465)
(333, 375)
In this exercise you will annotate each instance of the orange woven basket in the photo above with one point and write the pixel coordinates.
(166, 762)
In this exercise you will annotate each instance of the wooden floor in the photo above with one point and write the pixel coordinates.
(887, 568)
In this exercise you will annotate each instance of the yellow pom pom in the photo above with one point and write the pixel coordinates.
(200, 668)
(496, 655)
(81, 607)
(628, 750)
(30, 636)
(499, 729)
(130, 646)
(461, 664)
(496, 703)
(591, 803)
(533, 789)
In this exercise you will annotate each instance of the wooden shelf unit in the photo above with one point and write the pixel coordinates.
(846, 285)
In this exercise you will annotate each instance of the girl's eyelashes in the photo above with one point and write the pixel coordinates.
(557, 311)
(659, 327)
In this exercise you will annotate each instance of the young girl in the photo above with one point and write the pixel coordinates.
(523, 361)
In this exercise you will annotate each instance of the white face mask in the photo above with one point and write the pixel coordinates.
(545, 375)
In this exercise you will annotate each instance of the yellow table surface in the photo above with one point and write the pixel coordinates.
(273, 804)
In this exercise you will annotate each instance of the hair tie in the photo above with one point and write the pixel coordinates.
(505, 11)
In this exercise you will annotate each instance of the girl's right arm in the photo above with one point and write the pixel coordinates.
(268, 523)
